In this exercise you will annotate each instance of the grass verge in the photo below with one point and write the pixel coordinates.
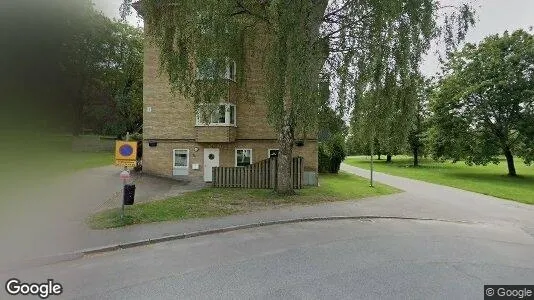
(489, 180)
(213, 202)
(47, 154)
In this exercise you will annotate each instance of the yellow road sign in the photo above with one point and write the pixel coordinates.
(126, 153)
(125, 150)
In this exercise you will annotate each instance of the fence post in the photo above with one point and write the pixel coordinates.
(301, 171)
(214, 177)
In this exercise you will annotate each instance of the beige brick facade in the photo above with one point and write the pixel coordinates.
(159, 160)
(170, 120)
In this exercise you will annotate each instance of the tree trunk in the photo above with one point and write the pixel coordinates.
(388, 158)
(286, 138)
(416, 157)
(379, 155)
(284, 185)
(510, 161)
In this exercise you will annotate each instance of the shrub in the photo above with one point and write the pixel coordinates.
(337, 154)
(331, 154)
(324, 159)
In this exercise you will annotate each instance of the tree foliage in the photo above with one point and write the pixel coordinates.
(331, 123)
(331, 154)
(122, 82)
(417, 135)
(359, 45)
(386, 106)
(103, 61)
(85, 70)
(483, 105)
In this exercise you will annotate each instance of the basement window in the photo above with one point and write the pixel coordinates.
(243, 157)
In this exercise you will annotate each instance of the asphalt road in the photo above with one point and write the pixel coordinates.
(364, 259)
(49, 217)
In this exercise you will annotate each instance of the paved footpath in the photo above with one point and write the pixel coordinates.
(423, 199)
(420, 200)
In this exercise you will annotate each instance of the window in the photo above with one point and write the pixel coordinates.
(208, 70)
(243, 157)
(221, 115)
(231, 69)
(181, 158)
(273, 153)
(180, 162)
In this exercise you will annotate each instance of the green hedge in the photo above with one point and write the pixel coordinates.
(331, 154)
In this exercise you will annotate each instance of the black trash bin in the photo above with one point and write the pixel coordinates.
(129, 194)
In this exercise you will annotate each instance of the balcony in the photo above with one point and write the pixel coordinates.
(216, 124)
(215, 134)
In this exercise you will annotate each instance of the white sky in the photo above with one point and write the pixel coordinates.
(494, 16)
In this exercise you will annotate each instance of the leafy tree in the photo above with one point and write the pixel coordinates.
(103, 63)
(337, 153)
(331, 124)
(483, 105)
(359, 44)
(323, 158)
(86, 57)
(123, 83)
(419, 127)
(385, 116)
(332, 133)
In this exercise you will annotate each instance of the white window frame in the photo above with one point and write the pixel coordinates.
(174, 159)
(228, 74)
(228, 107)
(243, 149)
(269, 152)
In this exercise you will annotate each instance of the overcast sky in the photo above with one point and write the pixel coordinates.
(494, 16)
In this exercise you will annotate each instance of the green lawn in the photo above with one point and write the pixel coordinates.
(214, 202)
(50, 153)
(33, 159)
(490, 180)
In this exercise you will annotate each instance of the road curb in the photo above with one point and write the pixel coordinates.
(115, 247)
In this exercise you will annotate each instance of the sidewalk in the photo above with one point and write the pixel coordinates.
(428, 199)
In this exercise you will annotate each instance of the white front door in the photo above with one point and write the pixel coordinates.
(211, 159)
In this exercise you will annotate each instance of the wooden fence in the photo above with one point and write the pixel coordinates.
(261, 175)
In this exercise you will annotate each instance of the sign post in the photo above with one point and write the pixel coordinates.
(125, 175)
(372, 150)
